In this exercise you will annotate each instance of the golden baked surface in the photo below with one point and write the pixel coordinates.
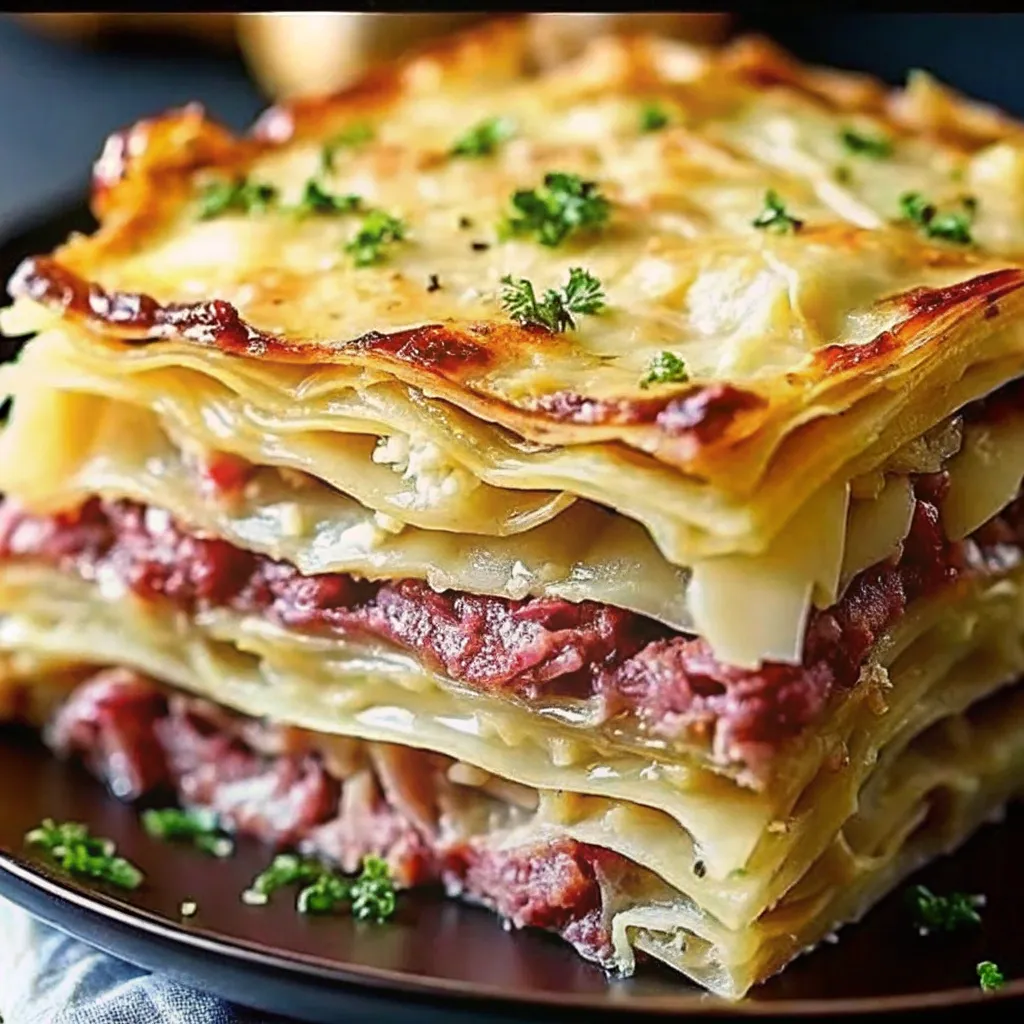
(729, 315)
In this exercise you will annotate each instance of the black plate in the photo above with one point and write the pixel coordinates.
(441, 960)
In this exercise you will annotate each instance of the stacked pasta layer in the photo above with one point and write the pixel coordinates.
(596, 490)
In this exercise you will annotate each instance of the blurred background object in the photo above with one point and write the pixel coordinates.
(91, 26)
(310, 54)
(69, 80)
(321, 52)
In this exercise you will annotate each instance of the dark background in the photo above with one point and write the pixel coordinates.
(58, 103)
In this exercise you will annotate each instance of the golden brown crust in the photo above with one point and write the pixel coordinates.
(689, 427)
(145, 178)
(697, 417)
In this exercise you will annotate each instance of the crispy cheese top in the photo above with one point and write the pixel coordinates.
(774, 327)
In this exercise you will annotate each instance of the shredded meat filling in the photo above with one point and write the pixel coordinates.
(535, 648)
(273, 784)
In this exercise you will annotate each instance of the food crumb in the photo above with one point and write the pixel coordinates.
(188, 908)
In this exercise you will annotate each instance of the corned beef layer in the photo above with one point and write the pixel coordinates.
(536, 648)
(272, 783)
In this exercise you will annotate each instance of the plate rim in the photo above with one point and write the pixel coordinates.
(382, 981)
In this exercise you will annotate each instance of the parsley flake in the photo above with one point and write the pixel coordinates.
(943, 913)
(949, 225)
(563, 205)
(370, 894)
(990, 977)
(665, 368)
(581, 295)
(653, 117)
(323, 894)
(239, 195)
(199, 825)
(378, 230)
(483, 139)
(876, 147)
(80, 853)
(285, 869)
(774, 217)
(354, 135)
(373, 892)
(316, 199)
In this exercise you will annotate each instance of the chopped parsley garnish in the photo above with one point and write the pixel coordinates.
(943, 913)
(285, 869)
(990, 977)
(774, 216)
(323, 894)
(80, 853)
(563, 205)
(653, 117)
(316, 199)
(949, 225)
(354, 135)
(877, 147)
(373, 892)
(843, 174)
(370, 894)
(201, 826)
(240, 195)
(581, 295)
(484, 138)
(665, 368)
(379, 229)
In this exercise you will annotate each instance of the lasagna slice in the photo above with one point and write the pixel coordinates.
(596, 490)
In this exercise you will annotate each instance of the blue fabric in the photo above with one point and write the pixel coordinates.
(48, 978)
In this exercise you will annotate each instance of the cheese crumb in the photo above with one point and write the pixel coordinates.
(388, 523)
(293, 522)
(422, 462)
